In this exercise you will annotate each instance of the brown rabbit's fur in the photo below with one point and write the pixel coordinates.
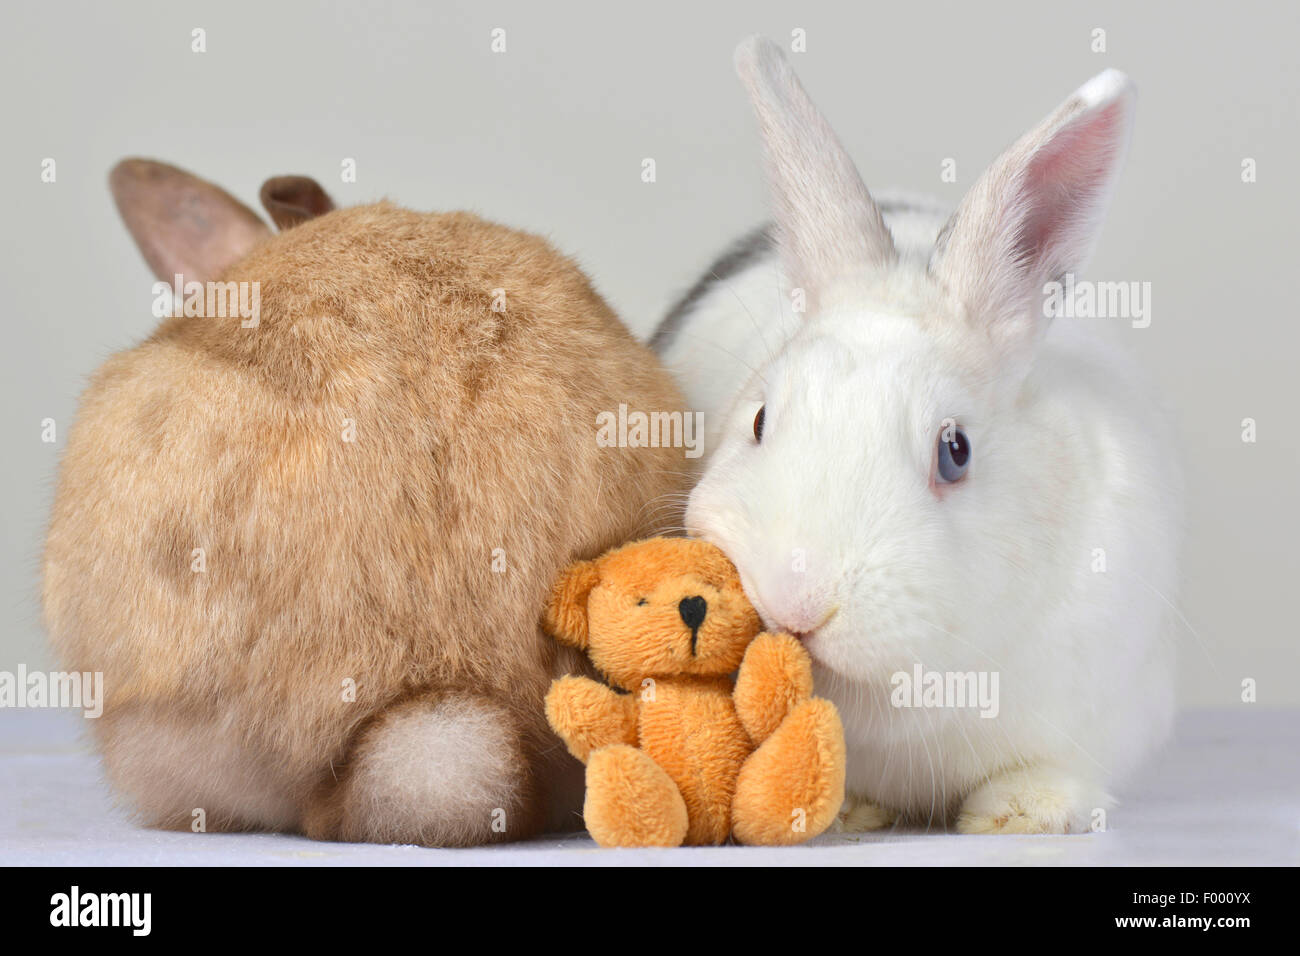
(370, 559)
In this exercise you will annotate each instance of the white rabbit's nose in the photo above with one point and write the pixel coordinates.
(790, 605)
(802, 624)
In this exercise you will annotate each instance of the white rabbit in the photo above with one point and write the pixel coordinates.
(924, 470)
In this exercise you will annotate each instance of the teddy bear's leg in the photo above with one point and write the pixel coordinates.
(631, 801)
(791, 788)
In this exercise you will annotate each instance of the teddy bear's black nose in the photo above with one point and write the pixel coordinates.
(692, 610)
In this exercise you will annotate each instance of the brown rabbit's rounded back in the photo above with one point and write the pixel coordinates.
(374, 487)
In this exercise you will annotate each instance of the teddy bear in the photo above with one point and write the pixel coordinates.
(676, 751)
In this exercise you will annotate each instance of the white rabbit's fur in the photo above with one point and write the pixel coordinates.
(998, 572)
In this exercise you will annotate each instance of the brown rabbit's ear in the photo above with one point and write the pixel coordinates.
(566, 612)
(183, 225)
(290, 200)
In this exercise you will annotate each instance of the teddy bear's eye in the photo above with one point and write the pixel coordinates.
(641, 602)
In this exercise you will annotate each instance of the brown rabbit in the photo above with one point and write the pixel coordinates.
(310, 556)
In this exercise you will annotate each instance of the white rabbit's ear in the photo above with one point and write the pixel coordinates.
(828, 225)
(1035, 214)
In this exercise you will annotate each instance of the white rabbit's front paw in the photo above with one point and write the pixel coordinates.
(859, 816)
(1030, 800)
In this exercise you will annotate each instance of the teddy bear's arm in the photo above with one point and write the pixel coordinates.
(587, 715)
(775, 676)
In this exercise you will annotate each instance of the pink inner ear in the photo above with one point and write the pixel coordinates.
(292, 200)
(1063, 190)
(181, 223)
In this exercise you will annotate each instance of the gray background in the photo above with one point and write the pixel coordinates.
(550, 136)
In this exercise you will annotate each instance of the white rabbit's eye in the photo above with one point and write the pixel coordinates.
(954, 456)
(758, 424)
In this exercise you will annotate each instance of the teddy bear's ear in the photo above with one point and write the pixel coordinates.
(566, 612)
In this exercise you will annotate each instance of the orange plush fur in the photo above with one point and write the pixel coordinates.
(299, 631)
(675, 752)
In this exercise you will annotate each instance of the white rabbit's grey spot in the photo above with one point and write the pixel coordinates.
(753, 246)
(899, 205)
(914, 219)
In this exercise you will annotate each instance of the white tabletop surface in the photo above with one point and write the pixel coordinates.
(1226, 790)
